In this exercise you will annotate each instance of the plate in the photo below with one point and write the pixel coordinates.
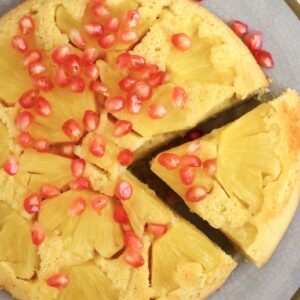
(280, 278)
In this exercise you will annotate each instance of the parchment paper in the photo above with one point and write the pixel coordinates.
(280, 278)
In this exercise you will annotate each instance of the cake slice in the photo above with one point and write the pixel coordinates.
(212, 72)
(243, 178)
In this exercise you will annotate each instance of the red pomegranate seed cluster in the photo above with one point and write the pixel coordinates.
(187, 166)
(254, 41)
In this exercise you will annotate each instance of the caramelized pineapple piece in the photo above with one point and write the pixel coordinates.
(256, 161)
(82, 228)
(16, 247)
(65, 106)
(46, 168)
(15, 83)
(143, 206)
(4, 149)
(87, 281)
(184, 259)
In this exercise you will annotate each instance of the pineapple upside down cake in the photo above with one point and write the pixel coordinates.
(88, 88)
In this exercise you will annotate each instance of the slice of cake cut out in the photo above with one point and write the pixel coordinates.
(243, 178)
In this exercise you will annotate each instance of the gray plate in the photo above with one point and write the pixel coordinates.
(280, 278)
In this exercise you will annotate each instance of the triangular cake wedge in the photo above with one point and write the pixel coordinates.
(243, 178)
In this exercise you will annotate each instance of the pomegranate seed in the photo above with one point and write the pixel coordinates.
(107, 40)
(25, 140)
(44, 83)
(77, 167)
(114, 104)
(136, 62)
(76, 38)
(32, 56)
(133, 241)
(89, 56)
(187, 175)
(196, 193)
(93, 29)
(59, 281)
(32, 203)
(11, 166)
(148, 70)
(194, 146)
(61, 77)
(27, 100)
(19, 43)
(179, 97)
(123, 190)
(181, 41)
(122, 127)
(169, 160)
(60, 54)
(36, 69)
(48, 191)
(239, 28)
(80, 184)
(190, 160)
(100, 11)
(132, 18)
(133, 257)
(127, 83)
(134, 103)
(264, 59)
(193, 135)
(92, 72)
(67, 150)
(123, 60)
(42, 106)
(127, 36)
(125, 157)
(157, 229)
(24, 120)
(72, 129)
(210, 167)
(37, 233)
(91, 120)
(77, 207)
(156, 79)
(99, 201)
(98, 87)
(72, 65)
(41, 145)
(142, 90)
(76, 84)
(26, 25)
(97, 146)
(112, 24)
(120, 215)
(156, 111)
(254, 40)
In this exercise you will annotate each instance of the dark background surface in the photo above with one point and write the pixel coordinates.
(280, 279)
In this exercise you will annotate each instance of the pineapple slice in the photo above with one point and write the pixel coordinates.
(83, 233)
(4, 149)
(65, 106)
(143, 206)
(45, 168)
(16, 247)
(148, 10)
(185, 263)
(87, 281)
(15, 83)
(253, 195)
